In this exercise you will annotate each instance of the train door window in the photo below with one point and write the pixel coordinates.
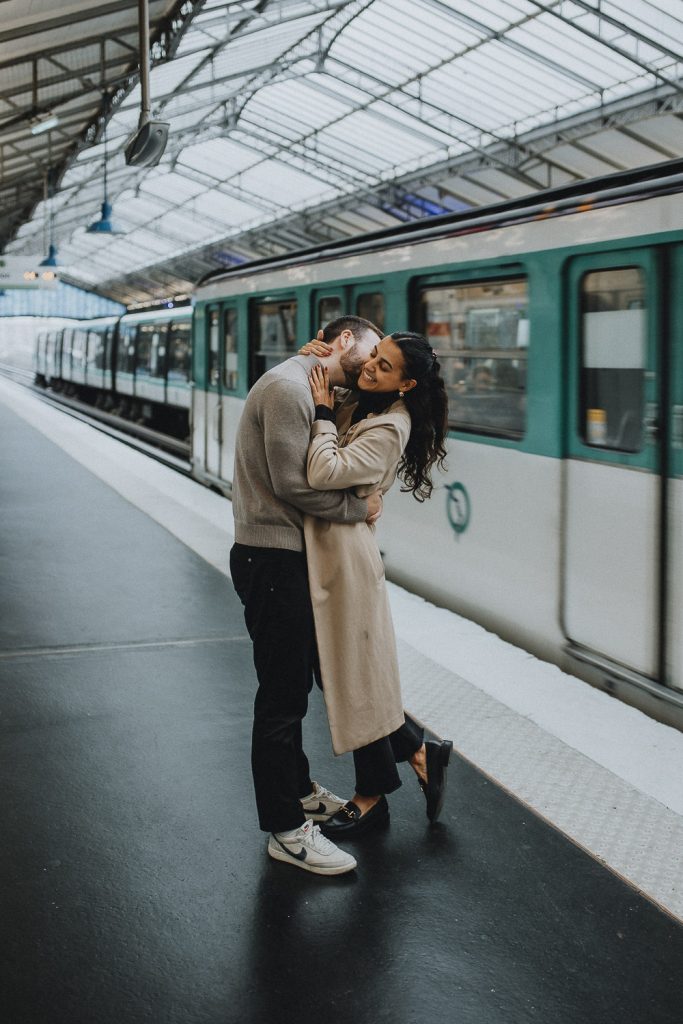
(613, 358)
(179, 344)
(480, 333)
(78, 348)
(370, 305)
(230, 355)
(125, 353)
(214, 328)
(275, 332)
(329, 308)
(96, 340)
(143, 354)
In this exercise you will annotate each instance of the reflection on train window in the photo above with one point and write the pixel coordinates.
(125, 352)
(150, 358)
(214, 347)
(230, 357)
(96, 349)
(275, 329)
(371, 306)
(480, 333)
(79, 341)
(614, 358)
(179, 350)
(329, 308)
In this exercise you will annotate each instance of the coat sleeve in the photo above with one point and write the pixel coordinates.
(286, 423)
(367, 459)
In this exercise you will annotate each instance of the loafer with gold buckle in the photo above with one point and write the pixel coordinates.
(348, 822)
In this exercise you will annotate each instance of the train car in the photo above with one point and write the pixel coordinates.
(558, 321)
(153, 368)
(137, 365)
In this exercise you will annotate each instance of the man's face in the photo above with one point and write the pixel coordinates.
(357, 353)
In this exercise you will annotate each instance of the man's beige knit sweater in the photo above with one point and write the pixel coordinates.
(270, 489)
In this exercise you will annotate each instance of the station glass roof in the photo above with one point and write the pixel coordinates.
(298, 121)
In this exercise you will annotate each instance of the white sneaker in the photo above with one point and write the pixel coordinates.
(308, 848)
(321, 804)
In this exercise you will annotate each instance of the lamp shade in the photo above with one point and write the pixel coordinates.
(51, 258)
(104, 225)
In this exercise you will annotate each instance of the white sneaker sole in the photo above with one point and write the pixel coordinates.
(316, 869)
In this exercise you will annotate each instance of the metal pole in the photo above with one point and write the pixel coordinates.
(143, 21)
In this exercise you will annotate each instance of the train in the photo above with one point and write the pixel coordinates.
(136, 366)
(558, 322)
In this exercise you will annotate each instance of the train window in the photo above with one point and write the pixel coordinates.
(179, 350)
(480, 333)
(79, 341)
(214, 324)
(275, 329)
(329, 308)
(125, 350)
(370, 305)
(230, 358)
(613, 358)
(150, 357)
(96, 345)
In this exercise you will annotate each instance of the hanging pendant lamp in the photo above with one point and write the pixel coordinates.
(104, 225)
(51, 258)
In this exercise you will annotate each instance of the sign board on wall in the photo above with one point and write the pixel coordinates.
(25, 272)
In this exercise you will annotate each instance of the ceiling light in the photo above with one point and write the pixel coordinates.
(44, 123)
(51, 258)
(104, 226)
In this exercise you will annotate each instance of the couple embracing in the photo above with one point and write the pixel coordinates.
(322, 437)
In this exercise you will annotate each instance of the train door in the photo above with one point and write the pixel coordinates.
(231, 402)
(674, 589)
(214, 392)
(613, 497)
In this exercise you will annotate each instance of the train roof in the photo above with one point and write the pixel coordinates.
(626, 186)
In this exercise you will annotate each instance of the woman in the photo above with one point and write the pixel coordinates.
(396, 427)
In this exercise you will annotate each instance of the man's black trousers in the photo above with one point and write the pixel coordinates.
(272, 584)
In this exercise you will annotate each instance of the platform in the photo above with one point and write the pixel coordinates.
(135, 884)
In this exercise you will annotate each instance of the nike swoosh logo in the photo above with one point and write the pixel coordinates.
(320, 809)
(301, 855)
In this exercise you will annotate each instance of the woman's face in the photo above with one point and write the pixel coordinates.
(384, 371)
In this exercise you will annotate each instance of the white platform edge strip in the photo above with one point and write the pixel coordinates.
(602, 773)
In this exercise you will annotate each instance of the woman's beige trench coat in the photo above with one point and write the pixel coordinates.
(353, 624)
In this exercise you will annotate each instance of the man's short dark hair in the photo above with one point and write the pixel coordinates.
(356, 324)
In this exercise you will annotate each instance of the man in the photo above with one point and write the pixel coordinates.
(268, 565)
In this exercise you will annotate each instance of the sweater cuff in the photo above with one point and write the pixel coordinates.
(323, 427)
(322, 412)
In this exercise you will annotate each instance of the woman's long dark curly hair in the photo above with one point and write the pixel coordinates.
(427, 404)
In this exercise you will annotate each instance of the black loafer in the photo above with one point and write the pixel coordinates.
(348, 822)
(434, 789)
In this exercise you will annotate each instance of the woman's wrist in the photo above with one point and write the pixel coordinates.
(323, 412)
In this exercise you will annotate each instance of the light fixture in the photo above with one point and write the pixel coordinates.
(104, 225)
(48, 197)
(51, 258)
(44, 123)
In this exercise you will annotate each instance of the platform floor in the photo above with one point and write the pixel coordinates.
(134, 883)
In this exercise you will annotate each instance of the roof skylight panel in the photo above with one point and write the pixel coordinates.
(225, 210)
(580, 53)
(171, 185)
(300, 100)
(281, 184)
